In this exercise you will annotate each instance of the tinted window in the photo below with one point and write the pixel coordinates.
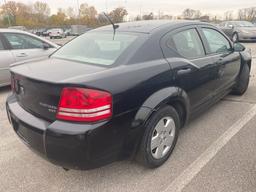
(1, 45)
(96, 48)
(21, 41)
(217, 42)
(187, 43)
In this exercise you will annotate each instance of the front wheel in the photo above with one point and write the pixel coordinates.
(243, 81)
(160, 137)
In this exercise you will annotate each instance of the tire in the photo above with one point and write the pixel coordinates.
(243, 81)
(235, 38)
(165, 137)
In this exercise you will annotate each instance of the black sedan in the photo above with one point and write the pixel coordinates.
(108, 96)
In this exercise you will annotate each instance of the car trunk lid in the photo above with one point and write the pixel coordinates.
(38, 85)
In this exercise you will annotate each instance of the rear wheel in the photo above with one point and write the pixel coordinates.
(159, 138)
(243, 81)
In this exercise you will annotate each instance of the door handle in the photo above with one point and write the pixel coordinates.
(184, 71)
(22, 55)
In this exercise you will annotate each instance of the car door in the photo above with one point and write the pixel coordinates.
(223, 55)
(192, 70)
(25, 47)
(6, 59)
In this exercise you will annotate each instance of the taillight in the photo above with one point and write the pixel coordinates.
(84, 105)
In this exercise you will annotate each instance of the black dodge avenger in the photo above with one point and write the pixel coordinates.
(123, 91)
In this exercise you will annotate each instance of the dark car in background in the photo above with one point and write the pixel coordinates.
(239, 30)
(40, 32)
(125, 94)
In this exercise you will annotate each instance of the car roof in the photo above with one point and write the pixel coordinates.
(237, 21)
(148, 26)
(2, 30)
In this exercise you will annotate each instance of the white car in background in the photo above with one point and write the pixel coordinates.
(57, 33)
(16, 46)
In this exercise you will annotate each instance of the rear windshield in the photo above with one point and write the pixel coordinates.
(96, 48)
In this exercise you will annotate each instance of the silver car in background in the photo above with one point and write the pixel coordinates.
(57, 33)
(16, 46)
(239, 30)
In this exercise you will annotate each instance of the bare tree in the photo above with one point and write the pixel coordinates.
(191, 14)
(41, 12)
(166, 17)
(248, 14)
(228, 15)
(149, 16)
(41, 9)
(70, 12)
(87, 11)
(197, 14)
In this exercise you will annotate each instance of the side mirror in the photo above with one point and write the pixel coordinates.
(238, 47)
(46, 46)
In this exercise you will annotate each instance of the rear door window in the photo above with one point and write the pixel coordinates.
(216, 41)
(187, 43)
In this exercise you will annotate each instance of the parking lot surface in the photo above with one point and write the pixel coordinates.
(215, 152)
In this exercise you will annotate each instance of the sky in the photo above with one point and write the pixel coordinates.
(171, 7)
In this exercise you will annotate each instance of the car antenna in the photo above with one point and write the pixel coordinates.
(113, 24)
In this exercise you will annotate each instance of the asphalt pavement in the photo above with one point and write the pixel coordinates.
(215, 152)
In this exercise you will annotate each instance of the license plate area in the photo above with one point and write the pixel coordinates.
(32, 137)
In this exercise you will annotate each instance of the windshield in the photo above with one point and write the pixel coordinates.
(243, 24)
(96, 48)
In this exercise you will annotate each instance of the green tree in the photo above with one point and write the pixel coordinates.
(58, 19)
(18, 13)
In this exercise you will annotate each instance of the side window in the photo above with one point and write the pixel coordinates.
(216, 41)
(187, 43)
(22, 41)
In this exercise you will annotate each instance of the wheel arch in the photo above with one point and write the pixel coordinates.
(174, 96)
(245, 60)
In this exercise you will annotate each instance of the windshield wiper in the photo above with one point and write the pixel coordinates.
(113, 24)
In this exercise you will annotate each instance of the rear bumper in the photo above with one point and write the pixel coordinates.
(70, 145)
